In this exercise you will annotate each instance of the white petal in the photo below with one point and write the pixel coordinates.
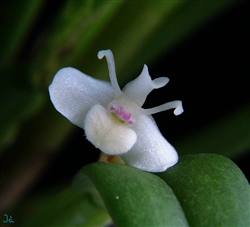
(105, 133)
(73, 93)
(139, 88)
(112, 74)
(177, 105)
(151, 152)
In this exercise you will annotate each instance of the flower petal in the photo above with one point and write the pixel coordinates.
(140, 87)
(110, 136)
(177, 105)
(151, 152)
(112, 73)
(73, 93)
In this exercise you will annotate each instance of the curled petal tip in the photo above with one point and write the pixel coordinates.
(177, 105)
(102, 53)
(179, 110)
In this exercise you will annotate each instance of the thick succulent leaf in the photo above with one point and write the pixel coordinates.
(151, 152)
(211, 190)
(73, 93)
(133, 197)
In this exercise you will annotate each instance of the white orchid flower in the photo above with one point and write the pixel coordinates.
(113, 119)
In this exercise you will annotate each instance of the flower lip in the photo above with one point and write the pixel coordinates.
(106, 134)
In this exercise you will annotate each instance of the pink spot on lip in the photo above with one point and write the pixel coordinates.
(126, 115)
(121, 112)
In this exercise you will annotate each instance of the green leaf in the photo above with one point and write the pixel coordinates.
(211, 190)
(133, 197)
